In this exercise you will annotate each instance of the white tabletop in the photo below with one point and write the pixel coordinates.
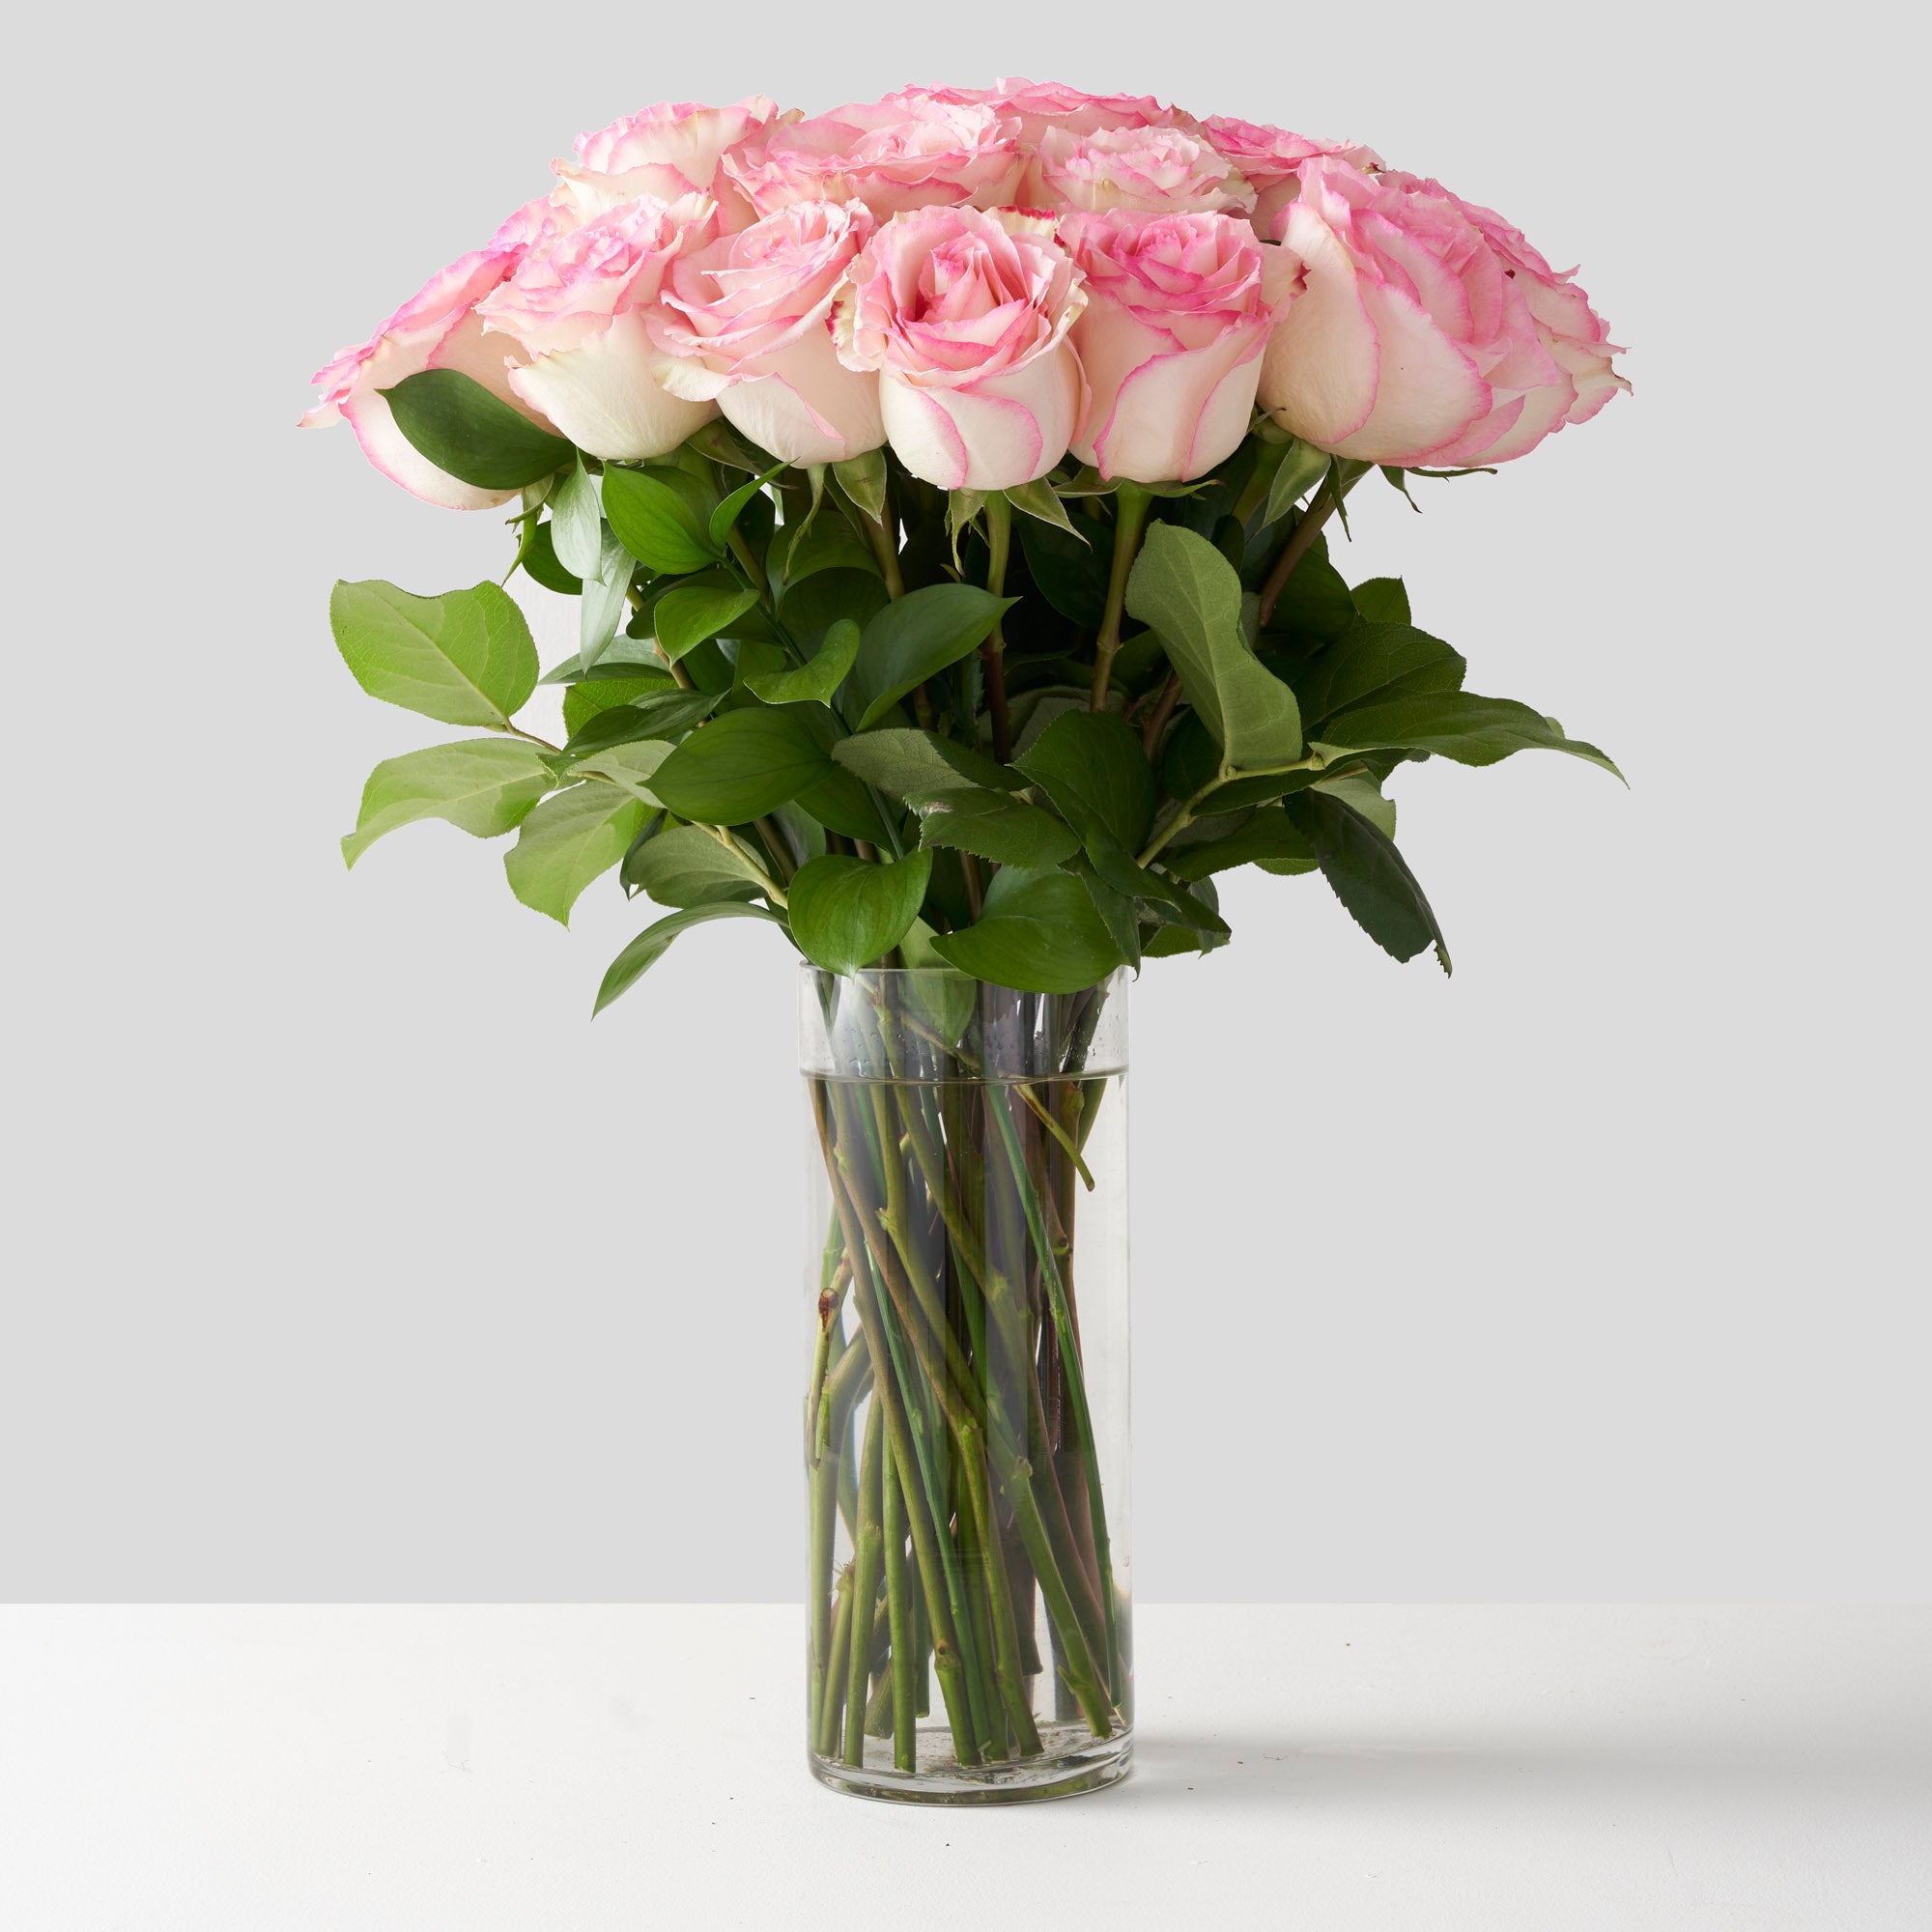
(569, 1769)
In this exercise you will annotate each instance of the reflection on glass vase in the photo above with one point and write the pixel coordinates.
(966, 1406)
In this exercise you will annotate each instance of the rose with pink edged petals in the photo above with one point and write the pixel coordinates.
(669, 151)
(1271, 157)
(437, 329)
(1037, 105)
(747, 320)
(966, 317)
(577, 309)
(1156, 170)
(1426, 330)
(910, 152)
(1170, 340)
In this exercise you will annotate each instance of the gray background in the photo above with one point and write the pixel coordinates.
(346, 1259)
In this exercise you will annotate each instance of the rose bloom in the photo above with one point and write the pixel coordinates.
(1037, 105)
(576, 308)
(1271, 158)
(966, 317)
(1170, 340)
(747, 320)
(437, 329)
(1157, 170)
(912, 152)
(668, 151)
(1428, 331)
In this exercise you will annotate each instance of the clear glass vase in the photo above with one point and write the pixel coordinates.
(966, 1404)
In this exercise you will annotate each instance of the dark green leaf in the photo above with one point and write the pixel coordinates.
(485, 785)
(1369, 876)
(465, 657)
(741, 766)
(662, 714)
(1373, 660)
(902, 761)
(1113, 863)
(913, 639)
(1094, 768)
(652, 945)
(1456, 725)
(1316, 604)
(1117, 910)
(1039, 932)
(685, 617)
(1382, 600)
(847, 913)
(540, 564)
(656, 521)
(1071, 574)
(1270, 839)
(841, 800)
(994, 824)
(725, 518)
(570, 838)
(814, 682)
(455, 423)
(687, 865)
(809, 609)
(826, 543)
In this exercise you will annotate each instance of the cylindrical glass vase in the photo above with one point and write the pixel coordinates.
(966, 1427)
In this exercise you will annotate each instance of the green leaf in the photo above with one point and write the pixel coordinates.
(811, 608)
(1071, 572)
(825, 543)
(741, 766)
(541, 566)
(686, 616)
(688, 867)
(1037, 499)
(1188, 592)
(485, 785)
(656, 521)
(847, 913)
(1374, 660)
(1094, 768)
(841, 800)
(1269, 838)
(663, 714)
(583, 701)
(814, 682)
(455, 422)
(995, 825)
(1117, 910)
(1302, 467)
(1128, 877)
(862, 478)
(1316, 607)
(465, 657)
(577, 522)
(913, 639)
(654, 942)
(1456, 725)
(1369, 876)
(1382, 600)
(603, 595)
(570, 838)
(632, 765)
(1361, 793)
(725, 518)
(1039, 932)
(902, 761)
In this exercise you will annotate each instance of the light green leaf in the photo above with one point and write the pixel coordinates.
(583, 701)
(1302, 467)
(454, 421)
(1039, 932)
(916, 637)
(600, 607)
(654, 942)
(741, 766)
(485, 785)
(660, 714)
(465, 657)
(816, 681)
(994, 824)
(577, 522)
(687, 865)
(902, 761)
(656, 523)
(1094, 768)
(846, 914)
(862, 478)
(1038, 499)
(686, 616)
(1456, 725)
(632, 765)
(961, 507)
(1188, 590)
(570, 838)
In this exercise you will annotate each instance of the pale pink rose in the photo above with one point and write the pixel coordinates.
(1037, 105)
(747, 321)
(1170, 339)
(913, 152)
(668, 151)
(1270, 158)
(1156, 170)
(966, 317)
(576, 309)
(437, 329)
(1426, 330)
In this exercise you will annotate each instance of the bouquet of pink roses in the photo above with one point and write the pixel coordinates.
(945, 486)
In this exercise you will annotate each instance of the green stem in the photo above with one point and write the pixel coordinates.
(868, 1559)
(1131, 513)
(992, 653)
(878, 529)
(742, 550)
(899, 1614)
(826, 1739)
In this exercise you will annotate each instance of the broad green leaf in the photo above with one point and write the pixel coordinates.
(902, 761)
(1315, 605)
(862, 478)
(1188, 592)
(1117, 910)
(846, 914)
(583, 701)
(1177, 936)
(1456, 725)
(577, 522)
(1094, 768)
(1373, 660)
(1302, 467)
(1369, 876)
(540, 565)
(1269, 838)
(1126, 876)
(654, 942)
(825, 543)
(683, 619)
(601, 609)
(454, 421)
(1039, 932)
(809, 609)
(842, 802)
(1382, 600)
(814, 682)
(662, 714)
(913, 639)
(688, 866)
(632, 765)
(725, 518)
(1037, 499)
(741, 766)
(656, 523)
(485, 785)
(1362, 794)
(1071, 573)
(719, 441)
(994, 824)
(570, 838)
(465, 657)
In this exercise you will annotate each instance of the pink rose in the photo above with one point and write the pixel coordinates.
(748, 322)
(1037, 105)
(668, 151)
(911, 151)
(1426, 330)
(576, 307)
(966, 316)
(437, 329)
(1271, 158)
(1157, 170)
(1170, 340)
